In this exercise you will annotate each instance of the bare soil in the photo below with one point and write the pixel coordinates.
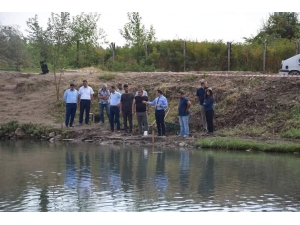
(29, 97)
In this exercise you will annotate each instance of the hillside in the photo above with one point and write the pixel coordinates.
(245, 106)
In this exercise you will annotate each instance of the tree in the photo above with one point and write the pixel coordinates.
(135, 32)
(13, 47)
(278, 25)
(59, 37)
(85, 30)
(37, 39)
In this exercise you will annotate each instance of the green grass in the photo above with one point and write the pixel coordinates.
(107, 76)
(253, 131)
(292, 133)
(189, 78)
(241, 144)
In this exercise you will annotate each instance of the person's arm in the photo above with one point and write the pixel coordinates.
(150, 103)
(198, 94)
(208, 102)
(164, 103)
(65, 96)
(79, 94)
(92, 95)
(133, 107)
(188, 106)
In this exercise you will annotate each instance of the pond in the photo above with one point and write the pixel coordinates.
(42, 176)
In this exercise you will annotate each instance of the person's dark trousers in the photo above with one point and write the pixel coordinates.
(210, 120)
(127, 115)
(160, 122)
(70, 113)
(114, 116)
(85, 105)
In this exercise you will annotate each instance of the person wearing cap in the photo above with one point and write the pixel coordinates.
(183, 114)
(103, 96)
(70, 97)
(85, 99)
(161, 104)
(201, 93)
(209, 110)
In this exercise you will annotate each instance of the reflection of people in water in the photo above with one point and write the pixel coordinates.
(44, 199)
(206, 184)
(127, 173)
(85, 180)
(184, 171)
(114, 171)
(141, 173)
(161, 179)
(71, 173)
(104, 183)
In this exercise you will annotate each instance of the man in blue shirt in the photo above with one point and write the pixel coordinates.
(161, 104)
(201, 93)
(114, 113)
(70, 97)
(183, 113)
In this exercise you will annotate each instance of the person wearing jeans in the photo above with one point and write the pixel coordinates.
(184, 114)
(201, 93)
(209, 110)
(70, 97)
(103, 95)
(161, 104)
(114, 114)
(126, 109)
(85, 99)
(141, 110)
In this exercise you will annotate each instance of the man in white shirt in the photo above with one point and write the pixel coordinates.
(114, 109)
(140, 88)
(85, 99)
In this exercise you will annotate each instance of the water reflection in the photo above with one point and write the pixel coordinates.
(141, 174)
(85, 180)
(206, 184)
(184, 169)
(114, 172)
(127, 173)
(46, 177)
(161, 178)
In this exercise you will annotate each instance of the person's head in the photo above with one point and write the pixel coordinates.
(203, 83)
(140, 93)
(104, 87)
(159, 92)
(112, 89)
(140, 87)
(84, 82)
(181, 94)
(126, 88)
(208, 93)
(72, 86)
(120, 86)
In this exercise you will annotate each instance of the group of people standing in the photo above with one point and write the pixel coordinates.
(119, 102)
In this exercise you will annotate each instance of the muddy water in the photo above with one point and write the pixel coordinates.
(85, 177)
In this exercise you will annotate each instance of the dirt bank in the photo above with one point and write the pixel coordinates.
(245, 106)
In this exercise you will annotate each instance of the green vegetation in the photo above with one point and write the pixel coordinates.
(30, 130)
(292, 133)
(241, 144)
(107, 76)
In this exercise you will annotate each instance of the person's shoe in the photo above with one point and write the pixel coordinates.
(130, 134)
(80, 124)
(71, 126)
(185, 136)
(124, 134)
(179, 136)
(164, 136)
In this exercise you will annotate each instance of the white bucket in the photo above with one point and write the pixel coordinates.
(145, 133)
